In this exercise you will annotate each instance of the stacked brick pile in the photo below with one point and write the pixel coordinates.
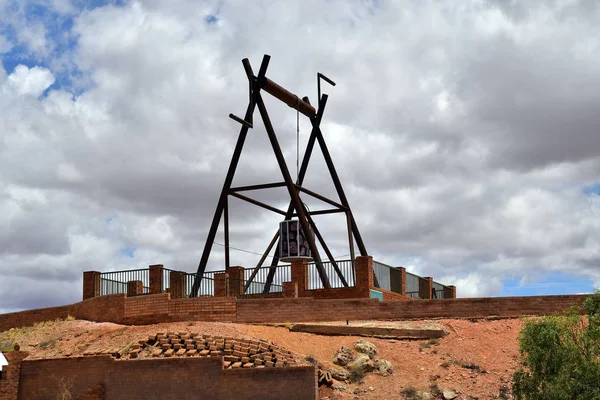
(236, 353)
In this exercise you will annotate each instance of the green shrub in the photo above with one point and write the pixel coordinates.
(560, 356)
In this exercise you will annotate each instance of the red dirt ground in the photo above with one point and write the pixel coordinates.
(489, 347)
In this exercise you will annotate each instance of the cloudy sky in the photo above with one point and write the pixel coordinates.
(465, 134)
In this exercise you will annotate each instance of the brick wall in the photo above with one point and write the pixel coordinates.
(149, 309)
(182, 378)
(29, 317)
(305, 309)
(9, 384)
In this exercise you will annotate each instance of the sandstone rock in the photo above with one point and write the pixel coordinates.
(449, 394)
(343, 356)
(423, 395)
(383, 367)
(368, 348)
(363, 363)
(338, 374)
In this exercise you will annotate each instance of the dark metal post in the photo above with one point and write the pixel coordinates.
(226, 232)
(291, 188)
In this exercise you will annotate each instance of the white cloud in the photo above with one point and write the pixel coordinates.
(463, 136)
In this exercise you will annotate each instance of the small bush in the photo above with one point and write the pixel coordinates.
(559, 356)
(409, 393)
(70, 318)
(48, 344)
(311, 360)
(424, 345)
(356, 375)
(433, 342)
(446, 364)
(472, 366)
(190, 323)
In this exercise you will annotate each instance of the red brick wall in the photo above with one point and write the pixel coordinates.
(29, 317)
(158, 308)
(305, 309)
(181, 378)
(9, 384)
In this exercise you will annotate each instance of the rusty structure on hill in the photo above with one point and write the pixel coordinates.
(258, 84)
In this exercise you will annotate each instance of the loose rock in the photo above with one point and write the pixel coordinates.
(343, 356)
(449, 394)
(423, 395)
(338, 374)
(363, 363)
(368, 348)
(383, 367)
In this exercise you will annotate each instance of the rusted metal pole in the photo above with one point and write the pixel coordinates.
(287, 97)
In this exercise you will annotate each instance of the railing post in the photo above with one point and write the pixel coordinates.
(135, 288)
(156, 278)
(290, 289)
(177, 284)
(425, 287)
(221, 282)
(299, 272)
(403, 279)
(450, 292)
(91, 284)
(364, 275)
(236, 281)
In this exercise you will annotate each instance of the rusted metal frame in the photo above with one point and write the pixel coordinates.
(326, 249)
(321, 212)
(301, 174)
(226, 232)
(287, 97)
(291, 189)
(257, 203)
(320, 197)
(230, 173)
(340, 191)
(257, 187)
(260, 263)
(351, 244)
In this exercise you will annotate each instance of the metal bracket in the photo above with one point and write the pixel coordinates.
(241, 121)
(326, 79)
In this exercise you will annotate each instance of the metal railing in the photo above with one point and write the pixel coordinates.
(115, 282)
(438, 290)
(283, 273)
(412, 284)
(235, 287)
(413, 295)
(346, 268)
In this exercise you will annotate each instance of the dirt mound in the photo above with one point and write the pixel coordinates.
(476, 359)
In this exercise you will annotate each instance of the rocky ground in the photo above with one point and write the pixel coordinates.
(474, 361)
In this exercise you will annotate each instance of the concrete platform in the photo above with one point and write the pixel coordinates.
(389, 330)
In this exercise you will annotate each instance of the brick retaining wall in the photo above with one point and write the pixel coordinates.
(149, 309)
(102, 377)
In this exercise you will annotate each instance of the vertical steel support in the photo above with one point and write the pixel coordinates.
(298, 206)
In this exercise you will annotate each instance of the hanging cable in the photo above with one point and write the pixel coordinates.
(297, 140)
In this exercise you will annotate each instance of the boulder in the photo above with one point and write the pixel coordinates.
(423, 395)
(362, 362)
(343, 356)
(368, 348)
(338, 374)
(449, 394)
(383, 367)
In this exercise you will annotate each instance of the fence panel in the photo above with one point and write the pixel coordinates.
(346, 267)
(383, 274)
(283, 273)
(116, 282)
(412, 285)
(438, 290)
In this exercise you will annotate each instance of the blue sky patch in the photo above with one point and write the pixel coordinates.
(128, 251)
(556, 283)
(61, 43)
